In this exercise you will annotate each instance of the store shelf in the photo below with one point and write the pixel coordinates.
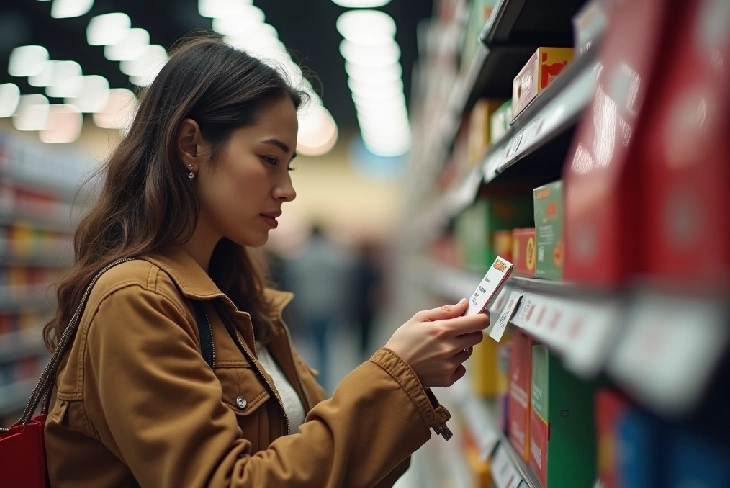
(528, 22)
(44, 260)
(18, 301)
(17, 345)
(60, 224)
(13, 398)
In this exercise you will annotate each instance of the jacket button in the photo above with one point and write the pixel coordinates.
(241, 402)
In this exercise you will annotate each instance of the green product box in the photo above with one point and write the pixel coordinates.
(475, 228)
(548, 204)
(499, 122)
(562, 427)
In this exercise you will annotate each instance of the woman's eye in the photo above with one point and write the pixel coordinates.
(270, 160)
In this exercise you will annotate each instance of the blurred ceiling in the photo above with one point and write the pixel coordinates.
(307, 27)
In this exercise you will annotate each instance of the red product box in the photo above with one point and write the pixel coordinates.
(524, 251)
(611, 406)
(687, 155)
(518, 404)
(603, 176)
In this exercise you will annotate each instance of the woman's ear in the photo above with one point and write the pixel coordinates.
(190, 144)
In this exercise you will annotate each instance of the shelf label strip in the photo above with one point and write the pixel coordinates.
(504, 472)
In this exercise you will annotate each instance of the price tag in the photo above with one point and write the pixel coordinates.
(590, 334)
(504, 472)
(499, 302)
(488, 287)
(504, 318)
(514, 146)
(670, 349)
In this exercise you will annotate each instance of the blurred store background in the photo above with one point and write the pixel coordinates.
(583, 140)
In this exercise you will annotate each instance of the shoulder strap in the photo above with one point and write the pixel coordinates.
(205, 332)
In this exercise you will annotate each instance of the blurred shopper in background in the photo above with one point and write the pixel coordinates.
(369, 296)
(182, 373)
(322, 276)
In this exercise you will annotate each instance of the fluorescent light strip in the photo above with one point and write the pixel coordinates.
(221, 8)
(370, 56)
(108, 29)
(366, 27)
(361, 3)
(27, 60)
(62, 9)
(63, 126)
(9, 98)
(32, 113)
(129, 48)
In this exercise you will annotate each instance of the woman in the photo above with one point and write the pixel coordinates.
(203, 174)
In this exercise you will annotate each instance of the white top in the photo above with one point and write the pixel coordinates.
(292, 405)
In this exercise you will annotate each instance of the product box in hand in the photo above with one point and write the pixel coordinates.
(562, 432)
(524, 254)
(500, 120)
(686, 154)
(548, 207)
(603, 171)
(697, 462)
(542, 68)
(520, 377)
(475, 228)
(611, 406)
(480, 128)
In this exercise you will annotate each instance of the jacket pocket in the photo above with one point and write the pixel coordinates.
(243, 391)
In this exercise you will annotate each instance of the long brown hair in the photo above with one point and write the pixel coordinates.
(146, 201)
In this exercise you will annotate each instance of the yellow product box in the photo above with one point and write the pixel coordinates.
(480, 470)
(480, 128)
(543, 67)
(483, 368)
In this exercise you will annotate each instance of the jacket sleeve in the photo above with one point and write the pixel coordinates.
(159, 408)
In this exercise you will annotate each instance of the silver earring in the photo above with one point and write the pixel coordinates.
(191, 175)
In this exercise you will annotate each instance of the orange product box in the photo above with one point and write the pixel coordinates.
(687, 154)
(604, 211)
(541, 69)
(520, 388)
(524, 255)
(503, 244)
(480, 128)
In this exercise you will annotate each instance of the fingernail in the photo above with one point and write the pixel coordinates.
(462, 301)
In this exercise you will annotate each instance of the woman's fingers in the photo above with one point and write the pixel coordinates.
(442, 313)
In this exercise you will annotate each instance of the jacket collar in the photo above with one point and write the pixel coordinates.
(195, 284)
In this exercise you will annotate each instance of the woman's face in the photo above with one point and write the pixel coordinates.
(242, 194)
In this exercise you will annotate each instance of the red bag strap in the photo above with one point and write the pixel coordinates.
(42, 390)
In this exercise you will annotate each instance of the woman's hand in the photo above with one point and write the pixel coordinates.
(436, 342)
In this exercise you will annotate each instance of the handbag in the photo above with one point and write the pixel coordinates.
(22, 446)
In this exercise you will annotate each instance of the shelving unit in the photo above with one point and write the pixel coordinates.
(662, 350)
(38, 199)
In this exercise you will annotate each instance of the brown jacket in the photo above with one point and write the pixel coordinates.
(136, 399)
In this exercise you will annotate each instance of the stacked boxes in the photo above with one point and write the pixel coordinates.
(501, 118)
(524, 255)
(562, 433)
(480, 128)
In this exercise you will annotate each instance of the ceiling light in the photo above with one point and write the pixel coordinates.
(361, 3)
(371, 56)
(67, 80)
(27, 60)
(45, 76)
(374, 76)
(317, 133)
(365, 89)
(367, 27)
(108, 29)
(9, 98)
(221, 8)
(239, 23)
(152, 60)
(63, 125)
(32, 112)
(62, 9)
(119, 111)
(94, 94)
(248, 32)
(131, 47)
